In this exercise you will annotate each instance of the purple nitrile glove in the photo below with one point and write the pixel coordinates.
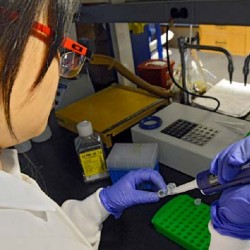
(124, 193)
(227, 164)
(230, 215)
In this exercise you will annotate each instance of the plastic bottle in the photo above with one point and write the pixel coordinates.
(90, 153)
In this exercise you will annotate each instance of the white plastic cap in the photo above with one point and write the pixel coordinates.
(23, 147)
(84, 128)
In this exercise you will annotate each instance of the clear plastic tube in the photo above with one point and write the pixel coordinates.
(169, 190)
(173, 189)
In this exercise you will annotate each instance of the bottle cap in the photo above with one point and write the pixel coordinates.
(44, 136)
(84, 128)
(23, 147)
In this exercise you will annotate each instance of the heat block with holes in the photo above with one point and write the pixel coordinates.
(191, 132)
(185, 223)
(189, 138)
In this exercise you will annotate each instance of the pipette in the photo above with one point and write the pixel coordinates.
(208, 183)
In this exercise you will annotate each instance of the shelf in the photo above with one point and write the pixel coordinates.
(222, 12)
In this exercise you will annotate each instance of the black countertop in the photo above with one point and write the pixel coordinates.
(54, 165)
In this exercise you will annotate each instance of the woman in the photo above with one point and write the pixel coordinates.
(32, 32)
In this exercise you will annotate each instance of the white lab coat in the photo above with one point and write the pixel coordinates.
(221, 242)
(31, 220)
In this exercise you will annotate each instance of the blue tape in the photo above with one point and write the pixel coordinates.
(150, 122)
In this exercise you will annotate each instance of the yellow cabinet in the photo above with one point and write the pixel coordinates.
(232, 38)
(247, 40)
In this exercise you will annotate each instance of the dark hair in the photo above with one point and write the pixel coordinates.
(16, 20)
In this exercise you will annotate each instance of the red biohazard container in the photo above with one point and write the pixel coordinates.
(155, 71)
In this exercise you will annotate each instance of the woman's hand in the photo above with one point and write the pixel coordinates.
(227, 164)
(124, 193)
(230, 215)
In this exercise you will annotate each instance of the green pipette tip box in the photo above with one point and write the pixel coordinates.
(184, 222)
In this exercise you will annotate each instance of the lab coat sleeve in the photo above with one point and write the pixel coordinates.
(88, 215)
(219, 241)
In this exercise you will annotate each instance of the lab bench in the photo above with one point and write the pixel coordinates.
(58, 173)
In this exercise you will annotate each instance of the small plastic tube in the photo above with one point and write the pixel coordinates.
(197, 201)
(162, 193)
(169, 190)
